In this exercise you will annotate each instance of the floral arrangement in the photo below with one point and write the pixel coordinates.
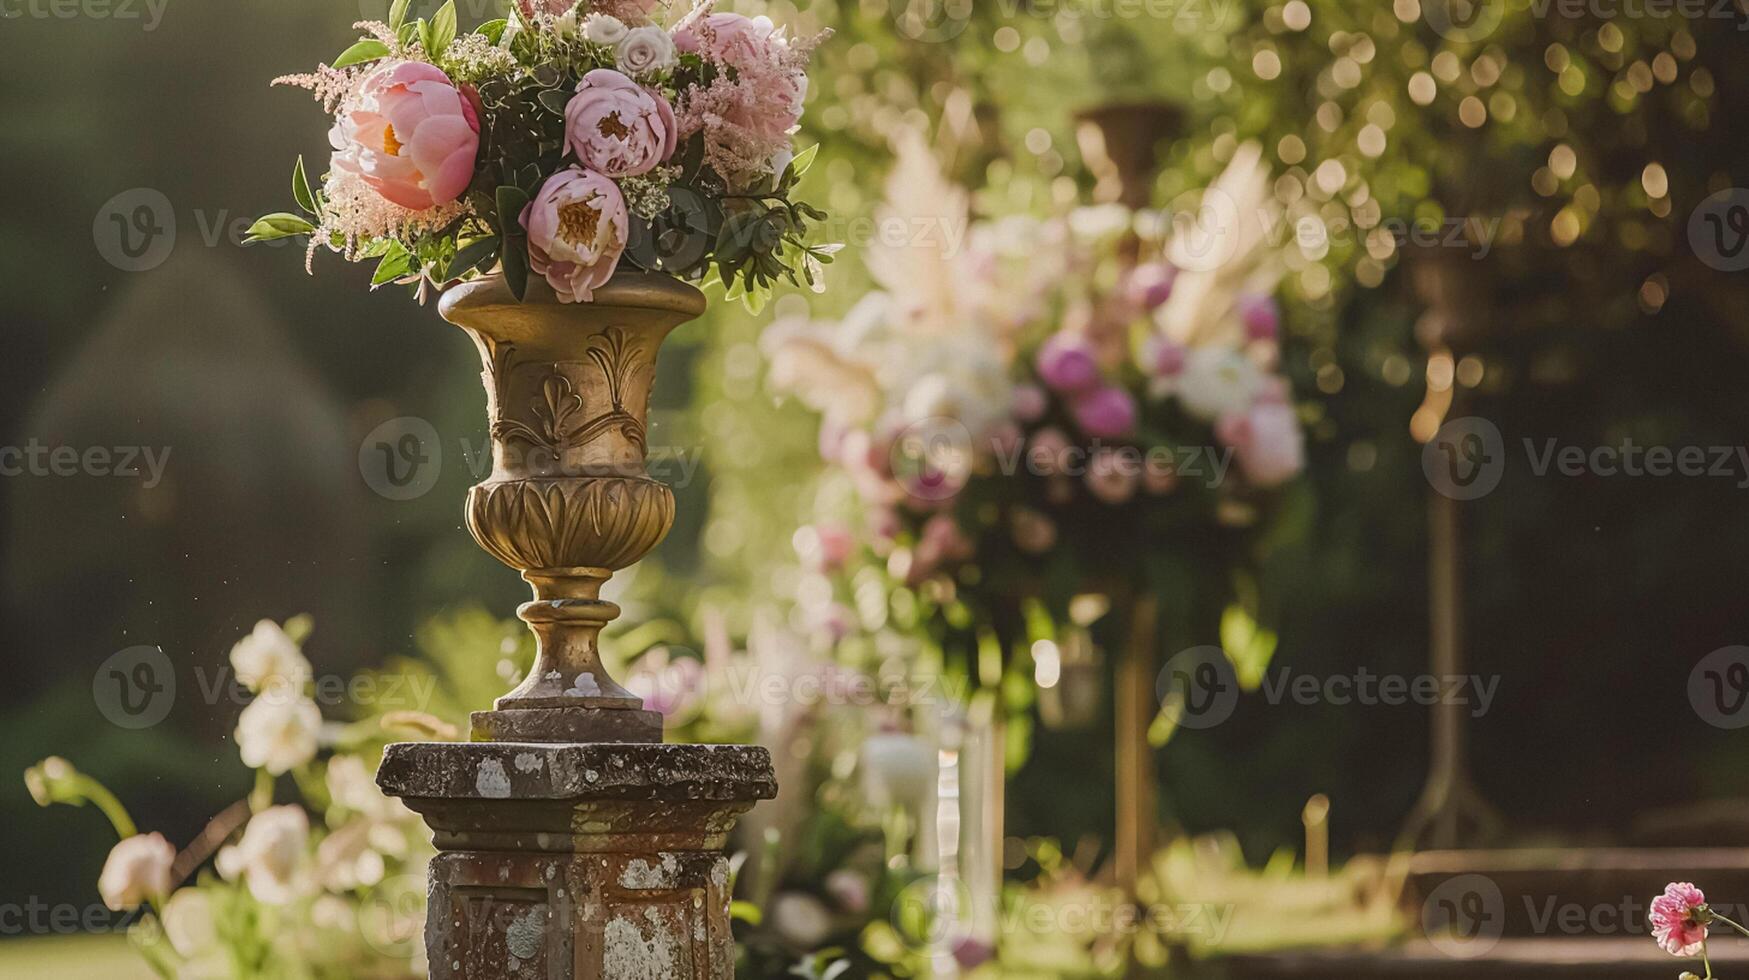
(330, 886)
(1679, 920)
(563, 141)
(1028, 405)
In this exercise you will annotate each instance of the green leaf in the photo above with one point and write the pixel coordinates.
(301, 189)
(493, 30)
(440, 30)
(281, 225)
(746, 911)
(470, 256)
(511, 200)
(555, 100)
(367, 49)
(397, 262)
(406, 34)
(398, 13)
(800, 165)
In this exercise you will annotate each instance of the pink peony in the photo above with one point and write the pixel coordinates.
(1267, 440)
(617, 127)
(1066, 362)
(1679, 918)
(410, 134)
(576, 231)
(1262, 318)
(1106, 413)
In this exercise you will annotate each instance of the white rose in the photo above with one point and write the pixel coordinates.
(644, 50)
(271, 854)
(1217, 382)
(801, 918)
(566, 24)
(278, 734)
(345, 859)
(898, 769)
(137, 869)
(268, 656)
(604, 29)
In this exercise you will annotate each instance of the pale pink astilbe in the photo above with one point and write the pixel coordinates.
(332, 87)
(748, 111)
(357, 215)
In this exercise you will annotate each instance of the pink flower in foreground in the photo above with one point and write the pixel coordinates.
(617, 127)
(1679, 919)
(410, 134)
(576, 232)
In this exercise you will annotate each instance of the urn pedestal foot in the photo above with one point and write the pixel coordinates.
(581, 861)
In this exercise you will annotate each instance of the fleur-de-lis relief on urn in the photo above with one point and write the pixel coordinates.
(569, 501)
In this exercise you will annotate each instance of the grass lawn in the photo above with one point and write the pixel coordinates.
(72, 958)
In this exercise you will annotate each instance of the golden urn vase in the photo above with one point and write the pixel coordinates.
(569, 500)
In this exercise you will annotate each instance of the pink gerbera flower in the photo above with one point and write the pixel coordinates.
(1679, 919)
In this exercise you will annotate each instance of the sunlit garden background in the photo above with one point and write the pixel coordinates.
(1034, 713)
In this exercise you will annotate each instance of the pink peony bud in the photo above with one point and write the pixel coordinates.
(617, 127)
(576, 232)
(1046, 455)
(1162, 358)
(1065, 362)
(409, 134)
(1150, 285)
(1261, 316)
(1112, 478)
(1106, 413)
(1029, 403)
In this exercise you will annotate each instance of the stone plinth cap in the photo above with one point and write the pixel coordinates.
(578, 771)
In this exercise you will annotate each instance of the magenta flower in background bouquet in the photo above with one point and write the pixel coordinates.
(566, 141)
(1031, 407)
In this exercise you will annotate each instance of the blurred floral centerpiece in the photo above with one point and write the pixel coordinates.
(564, 141)
(1045, 407)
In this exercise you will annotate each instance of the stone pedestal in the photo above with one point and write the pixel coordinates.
(581, 860)
(572, 844)
(578, 860)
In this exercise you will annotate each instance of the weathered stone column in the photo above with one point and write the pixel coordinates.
(572, 844)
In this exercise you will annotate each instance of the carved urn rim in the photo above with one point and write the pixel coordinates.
(473, 303)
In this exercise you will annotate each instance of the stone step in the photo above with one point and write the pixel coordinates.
(1563, 893)
(1619, 958)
